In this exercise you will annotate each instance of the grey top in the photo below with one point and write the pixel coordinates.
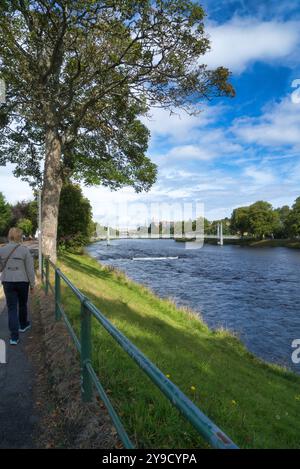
(19, 267)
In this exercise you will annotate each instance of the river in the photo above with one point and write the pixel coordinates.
(251, 291)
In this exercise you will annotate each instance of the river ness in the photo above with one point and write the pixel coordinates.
(254, 292)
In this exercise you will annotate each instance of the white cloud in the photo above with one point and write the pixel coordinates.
(172, 174)
(13, 188)
(181, 138)
(207, 145)
(259, 176)
(179, 126)
(191, 152)
(279, 125)
(218, 213)
(179, 193)
(242, 41)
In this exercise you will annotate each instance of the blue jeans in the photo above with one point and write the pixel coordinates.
(16, 294)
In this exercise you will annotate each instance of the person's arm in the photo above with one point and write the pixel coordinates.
(30, 268)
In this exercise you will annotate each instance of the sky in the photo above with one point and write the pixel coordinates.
(236, 151)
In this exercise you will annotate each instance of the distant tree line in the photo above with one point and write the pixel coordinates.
(23, 214)
(75, 222)
(260, 220)
(76, 226)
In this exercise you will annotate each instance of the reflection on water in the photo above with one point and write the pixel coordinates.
(254, 292)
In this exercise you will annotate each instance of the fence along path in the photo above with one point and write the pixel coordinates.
(204, 426)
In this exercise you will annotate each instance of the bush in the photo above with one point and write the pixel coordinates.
(5, 215)
(75, 219)
(26, 226)
(73, 243)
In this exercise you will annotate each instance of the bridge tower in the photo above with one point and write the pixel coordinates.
(108, 236)
(221, 234)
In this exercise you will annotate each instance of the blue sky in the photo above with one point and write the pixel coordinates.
(237, 150)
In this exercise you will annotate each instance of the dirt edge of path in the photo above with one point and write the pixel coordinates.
(65, 421)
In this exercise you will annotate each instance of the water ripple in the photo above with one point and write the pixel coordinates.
(253, 292)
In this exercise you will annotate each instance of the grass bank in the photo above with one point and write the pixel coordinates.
(276, 243)
(256, 404)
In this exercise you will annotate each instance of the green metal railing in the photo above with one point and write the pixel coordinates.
(204, 426)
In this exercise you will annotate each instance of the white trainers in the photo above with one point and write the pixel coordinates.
(26, 328)
(14, 341)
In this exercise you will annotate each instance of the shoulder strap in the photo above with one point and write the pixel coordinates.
(9, 255)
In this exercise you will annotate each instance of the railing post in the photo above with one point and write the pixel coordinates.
(42, 273)
(86, 353)
(57, 295)
(47, 274)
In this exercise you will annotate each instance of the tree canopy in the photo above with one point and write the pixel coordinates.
(240, 220)
(281, 231)
(89, 69)
(260, 220)
(79, 75)
(75, 225)
(27, 210)
(26, 226)
(293, 219)
(5, 215)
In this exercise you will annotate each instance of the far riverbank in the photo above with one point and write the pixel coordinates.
(263, 243)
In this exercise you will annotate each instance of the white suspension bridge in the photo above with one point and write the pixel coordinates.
(192, 235)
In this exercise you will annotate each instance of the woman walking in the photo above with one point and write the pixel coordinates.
(17, 275)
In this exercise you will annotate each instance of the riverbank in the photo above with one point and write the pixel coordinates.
(276, 243)
(213, 368)
(268, 243)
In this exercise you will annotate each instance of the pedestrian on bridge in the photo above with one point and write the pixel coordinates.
(17, 275)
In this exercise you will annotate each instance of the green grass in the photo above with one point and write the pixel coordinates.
(256, 404)
(274, 243)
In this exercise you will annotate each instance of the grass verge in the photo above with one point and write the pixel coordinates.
(276, 243)
(256, 404)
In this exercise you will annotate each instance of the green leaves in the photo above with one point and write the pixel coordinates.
(4, 117)
(26, 226)
(89, 70)
(260, 219)
(293, 220)
(75, 217)
(5, 215)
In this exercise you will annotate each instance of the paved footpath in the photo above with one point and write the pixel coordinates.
(17, 419)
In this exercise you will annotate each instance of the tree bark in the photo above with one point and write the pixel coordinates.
(51, 194)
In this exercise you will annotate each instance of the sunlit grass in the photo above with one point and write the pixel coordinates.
(288, 243)
(256, 404)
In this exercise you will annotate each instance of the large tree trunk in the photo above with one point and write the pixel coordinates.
(51, 194)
